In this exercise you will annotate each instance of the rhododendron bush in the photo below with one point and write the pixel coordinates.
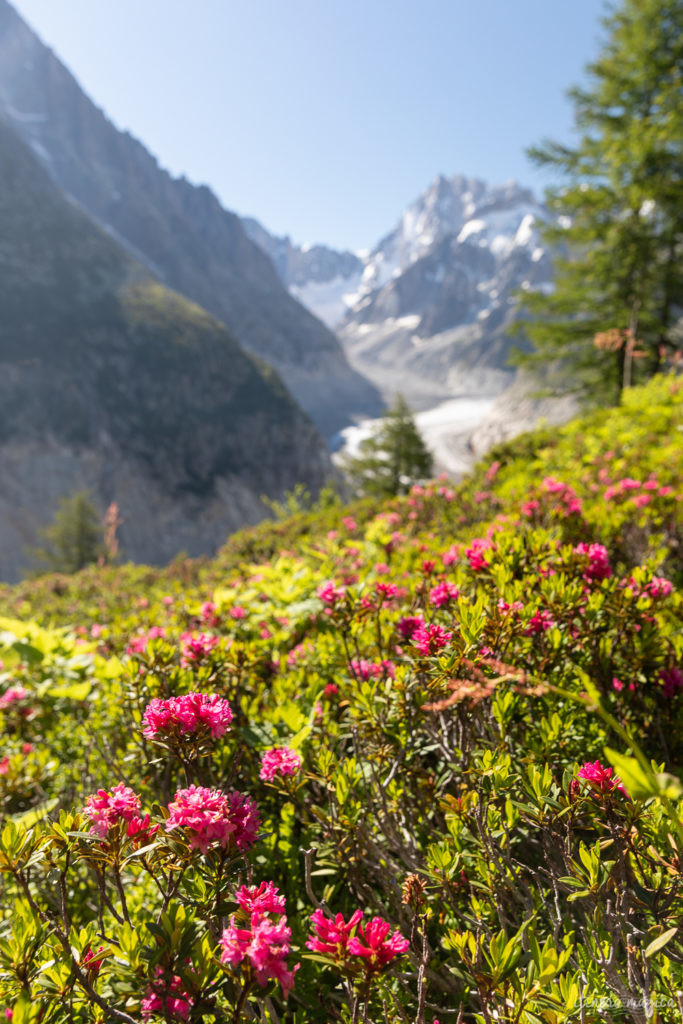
(414, 761)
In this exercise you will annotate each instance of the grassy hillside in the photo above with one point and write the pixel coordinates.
(454, 719)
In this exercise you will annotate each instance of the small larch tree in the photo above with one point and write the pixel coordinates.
(394, 458)
(74, 539)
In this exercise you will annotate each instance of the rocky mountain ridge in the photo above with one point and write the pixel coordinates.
(114, 384)
(427, 311)
(178, 230)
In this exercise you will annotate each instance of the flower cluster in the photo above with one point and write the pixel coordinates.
(259, 935)
(475, 553)
(166, 997)
(601, 779)
(138, 643)
(431, 639)
(191, 713)
(106, 808)
(330, 594)
(213, 818)
(196, 648)
(443, 593)
(598, 567)
(361, 668)
(12, 695)
(279, 761)
(344, 941)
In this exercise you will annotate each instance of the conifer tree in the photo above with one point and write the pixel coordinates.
(619, 227)
(74, 539)
(394, 458)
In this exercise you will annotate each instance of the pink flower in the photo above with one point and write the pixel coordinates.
(475, 553)
(12, 695)
(658, 587)
(431, 639)
(237, 612)
(214, 818)
(600, 778)
(349, 523)
(598, 567)
(331, 690)
(191, 713)
(105, 808)
(373, 942)
(539, 622)
(260, 940)
(196, 649)
(363, 669)
(408, 625)
(443, 593)
(332, 935)
(4, 765)
(138, 644)
(92, 961)
(140, 830)
(279, 761)
(504, 607)
(262, 899)
(166, 998)
(209, 614)
(330, 594)
(671, 680)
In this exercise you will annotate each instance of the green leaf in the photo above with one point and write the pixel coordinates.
(660, 942)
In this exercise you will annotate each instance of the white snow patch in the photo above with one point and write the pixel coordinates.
(445, 429)
(328, 300)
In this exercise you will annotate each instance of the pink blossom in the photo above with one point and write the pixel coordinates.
(331, 690)
(451, 555)
(539, 622)
(209, 614)
(138, 644)
(166, 998)
(279, 761)
(12, 695)
(640, 500)
(237, 612)
(671, 680)
(105, 808)
(598, 567)
(330, 594)
(505, 608)
(430, 639)
(214, 818)
(265, 944)
(373, 942)
(443, 593)
(191, 713)
(332, 935)
(196, 648)
(601, 779)
(4, 765)
(349, 523)
(528, 508)
(387, 591)
(262, 899)
(658, 587)
(475, 553)
(408, 624)
(92, 961)
(492, 471)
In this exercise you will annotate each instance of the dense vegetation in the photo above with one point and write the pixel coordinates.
(618, 204)
(443, 726)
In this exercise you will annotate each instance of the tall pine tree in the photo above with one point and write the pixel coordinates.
(394, 458)
(619, 226)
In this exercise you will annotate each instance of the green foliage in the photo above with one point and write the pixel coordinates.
(440, 788)
(620, 212)
(394, 458)
(74, 539)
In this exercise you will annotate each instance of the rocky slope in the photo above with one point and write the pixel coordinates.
(180, 231)
(111, 382)
(428, 310)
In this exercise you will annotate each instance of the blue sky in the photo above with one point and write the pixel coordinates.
(325, 118)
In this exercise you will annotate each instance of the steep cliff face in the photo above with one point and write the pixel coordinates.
(180, 231)
(111, 382)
